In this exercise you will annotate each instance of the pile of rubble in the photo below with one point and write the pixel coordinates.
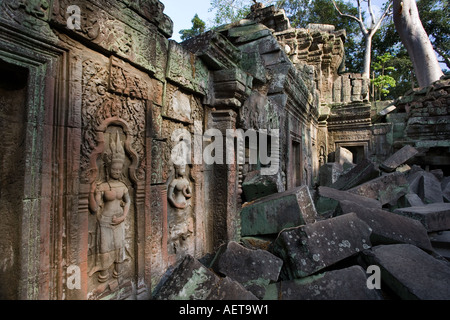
(329, 243)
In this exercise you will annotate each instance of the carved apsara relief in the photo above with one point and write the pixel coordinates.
(113, 163)
(110, 202)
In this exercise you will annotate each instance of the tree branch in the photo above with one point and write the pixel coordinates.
(387, 12)
(372, 15)
(441, 53)
(360, 22)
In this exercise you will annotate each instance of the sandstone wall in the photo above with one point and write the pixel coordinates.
(114, 89)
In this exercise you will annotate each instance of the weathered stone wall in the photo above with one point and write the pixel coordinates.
(116, 78)
(318, 54)
(95, 206)
(423, 118)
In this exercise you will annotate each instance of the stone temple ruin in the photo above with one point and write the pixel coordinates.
(95, 100)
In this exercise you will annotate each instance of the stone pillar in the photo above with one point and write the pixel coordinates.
(226, 222)
(199, 211)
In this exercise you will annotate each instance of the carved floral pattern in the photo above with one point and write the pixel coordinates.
(99, 105)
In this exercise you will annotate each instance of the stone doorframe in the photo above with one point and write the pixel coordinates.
(50, 132)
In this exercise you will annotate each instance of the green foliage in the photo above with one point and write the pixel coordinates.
(434, 14)
(435, 17)
(229, 11)
(383, 82)
(198, 27)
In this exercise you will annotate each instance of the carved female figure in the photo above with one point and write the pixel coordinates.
(179, 189)
(178, 194)
(110, 201)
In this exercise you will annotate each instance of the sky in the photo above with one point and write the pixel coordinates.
(182, 11)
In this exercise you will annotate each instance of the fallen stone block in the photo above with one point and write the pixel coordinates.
(329, 198)
(426, 185)
(193, 281)
(260, 242)
(413, 178)
(344, 284)
(388, 227)
(254, 269)
(441, 243)
(441, 238)
(271, 214)
(386, 189)
(410, 272)
(445, 187)
(329, 173)
(313, 247)
(430, 189)
(398, 158)
(363, 172)
(411, 200)
(344, 156)
(438, 173)
(259, 187)
(445, 182)
(435, 216)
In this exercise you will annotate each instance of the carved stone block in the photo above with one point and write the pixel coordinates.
(186, 69)
(110, 27)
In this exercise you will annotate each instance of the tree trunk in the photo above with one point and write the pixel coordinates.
(416, 41)
(367, 55)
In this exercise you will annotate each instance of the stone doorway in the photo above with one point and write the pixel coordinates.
(359, 150)
(13, 99)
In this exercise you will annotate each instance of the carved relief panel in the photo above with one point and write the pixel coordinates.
(113, 164)
(110, 201)
(183, 179)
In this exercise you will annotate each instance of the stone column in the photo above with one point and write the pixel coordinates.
(226, 222)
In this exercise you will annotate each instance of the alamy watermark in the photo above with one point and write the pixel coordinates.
(74, 19)
(236, 147)
(73, 277)
(374, 281)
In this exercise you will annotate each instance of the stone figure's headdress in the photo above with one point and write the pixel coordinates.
(117, 153)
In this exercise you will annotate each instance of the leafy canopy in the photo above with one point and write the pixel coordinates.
(198, 27)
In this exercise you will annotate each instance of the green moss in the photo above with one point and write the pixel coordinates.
(194, 288)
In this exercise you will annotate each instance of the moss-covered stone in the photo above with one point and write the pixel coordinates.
(344, 284)
(271, 214)
(313, 247)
